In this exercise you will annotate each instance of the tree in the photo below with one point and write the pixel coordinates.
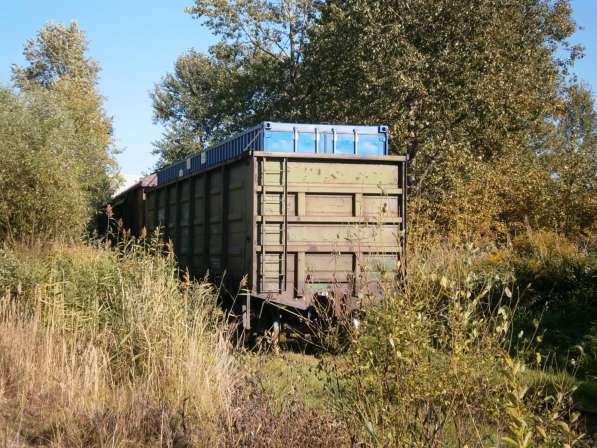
(202, 101)
(40, 190)
(465, 86)
(571, 159)
(251, 75)
(272, 34)
(474, 92)
(58, 62)
(480, 75)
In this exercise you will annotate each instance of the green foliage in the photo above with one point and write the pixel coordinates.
(251, 75)
(541, 415)
(479, 94)
(430, 366)
(202, 101)
(571, 160)
(557, 285)
(290, 373)
(454, 78)
(40, 192)
(471, 91)
(590, 344)
(57, 61)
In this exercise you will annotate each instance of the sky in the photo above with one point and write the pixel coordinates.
(137, 41)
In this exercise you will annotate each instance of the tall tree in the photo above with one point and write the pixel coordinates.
(571, 159)
(57, 61)
(207, 97)
(474, 91)
(464, 85)
(476, 74)
(272, 34)
(251, 75)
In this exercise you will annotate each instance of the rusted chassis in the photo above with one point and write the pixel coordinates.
(289, 228)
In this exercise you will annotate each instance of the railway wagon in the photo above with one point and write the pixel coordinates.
(294, 213)
(129, 205)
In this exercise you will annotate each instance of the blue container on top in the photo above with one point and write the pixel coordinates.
(285, 137)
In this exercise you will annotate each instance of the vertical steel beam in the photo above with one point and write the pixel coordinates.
(177, 214)
(403, 228)
(225, 195)
(254, 176)
(156, 214)
(191, 226)
(167, 215)
(206, 223)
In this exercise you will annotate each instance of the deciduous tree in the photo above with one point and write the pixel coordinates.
(40, 189)
(57, 61)
(251, 75)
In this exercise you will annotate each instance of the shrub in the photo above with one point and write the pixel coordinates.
(557, 280)
(431, 367)
(40, 192)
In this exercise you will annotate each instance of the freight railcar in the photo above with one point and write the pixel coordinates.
(295, 213)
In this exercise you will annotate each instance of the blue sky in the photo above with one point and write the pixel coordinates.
(136, 42)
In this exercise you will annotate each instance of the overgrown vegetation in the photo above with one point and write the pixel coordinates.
(40, 192)
(490, 341)
(57, 165)
(106, 345)
(103, 346)
(556, 280)
(439, 362)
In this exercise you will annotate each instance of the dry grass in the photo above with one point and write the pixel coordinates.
(112, 350)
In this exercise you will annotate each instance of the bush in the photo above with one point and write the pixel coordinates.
(432, 368)
(557, 284)
(40, 192)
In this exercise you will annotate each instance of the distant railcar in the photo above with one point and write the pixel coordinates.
(296, 212)
(128, 206)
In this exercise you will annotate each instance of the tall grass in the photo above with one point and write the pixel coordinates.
(107, 347)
